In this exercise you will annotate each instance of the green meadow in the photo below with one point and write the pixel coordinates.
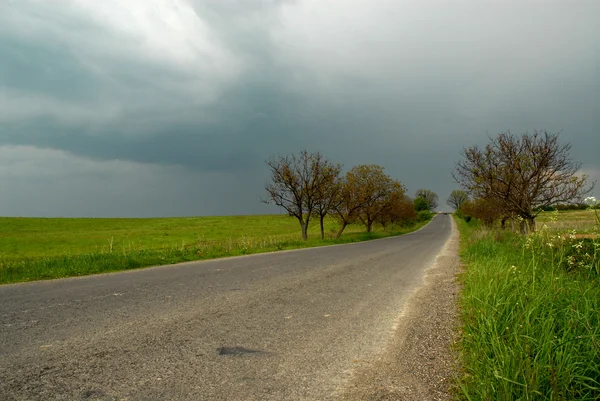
(582, 221)
(46, 248)
(45, 237)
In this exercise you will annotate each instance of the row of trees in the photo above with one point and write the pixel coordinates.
(309, 186)
(516, 177)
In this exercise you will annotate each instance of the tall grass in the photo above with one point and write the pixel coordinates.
(136, 255)
(531, 316)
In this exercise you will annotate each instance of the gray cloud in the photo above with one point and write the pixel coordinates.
(206, 91)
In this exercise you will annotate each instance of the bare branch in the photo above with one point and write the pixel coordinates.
(521, 174)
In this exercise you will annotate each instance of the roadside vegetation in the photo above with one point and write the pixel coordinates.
(530, 246)
(531, 312)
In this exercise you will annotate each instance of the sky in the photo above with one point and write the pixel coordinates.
(148, 108)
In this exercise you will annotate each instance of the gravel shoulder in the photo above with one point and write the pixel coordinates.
(419, 363)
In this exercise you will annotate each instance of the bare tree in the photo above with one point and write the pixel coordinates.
(429, 196)
(457, 198)
(522, 174)
(297, 183)
(328, 192)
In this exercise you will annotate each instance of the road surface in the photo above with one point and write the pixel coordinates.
(286, 325)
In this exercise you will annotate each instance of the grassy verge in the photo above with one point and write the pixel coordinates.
(39, 253)
(531, 316)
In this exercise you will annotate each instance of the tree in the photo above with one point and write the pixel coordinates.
(420, 204)
(457, 198)
(364, 196)
(348, 204)
(429, 196)
(328, 193)
(402, 212)
(374, 187)
(485, 210)
(399, 208)
(297, 184)
(522, 174)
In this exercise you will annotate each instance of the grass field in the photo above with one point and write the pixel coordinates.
(45, 237)
(583, 221)
(44, 248)
(530, 310)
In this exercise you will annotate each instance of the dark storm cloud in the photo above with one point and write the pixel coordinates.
(255, 119)
(215, 88)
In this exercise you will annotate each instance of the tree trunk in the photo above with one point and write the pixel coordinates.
(305, 231)
(531, 224)
(322, 228)
(523, 226)
(369, 225)
(304, 226)
(341, 230)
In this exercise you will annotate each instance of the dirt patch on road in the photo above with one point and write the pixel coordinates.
(419, 362)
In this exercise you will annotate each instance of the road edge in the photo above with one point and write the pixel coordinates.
(200, 262)
(419, 363)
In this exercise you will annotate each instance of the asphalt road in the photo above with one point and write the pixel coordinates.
(286, 325)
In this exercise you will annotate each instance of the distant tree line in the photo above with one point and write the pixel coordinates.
(514, 178)
(309, 186)
(569, 206)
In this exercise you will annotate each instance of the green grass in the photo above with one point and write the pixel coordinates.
(46, 248)
(43, 237)
(530, 311)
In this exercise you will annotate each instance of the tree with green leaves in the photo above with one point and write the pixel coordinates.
(457, 198)
(420, 204)
(429, 196)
